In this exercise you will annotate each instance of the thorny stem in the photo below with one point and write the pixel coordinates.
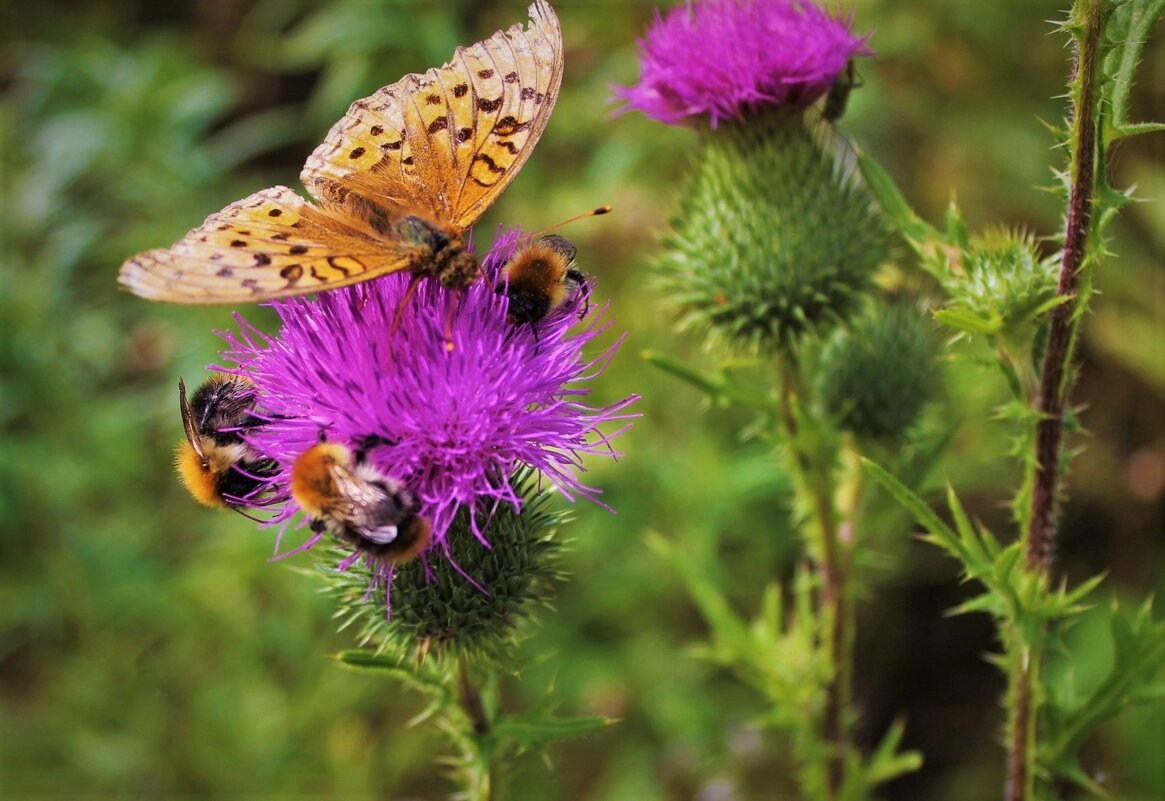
(1021, 731)
(1054, 383)
(1058, 353)
(815, 477)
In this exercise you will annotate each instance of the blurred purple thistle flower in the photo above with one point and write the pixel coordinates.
(723, 58)
(455, 424)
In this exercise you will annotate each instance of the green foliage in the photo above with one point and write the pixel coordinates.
(1137, 675)
(482, 742)
(1127, 29)
(783, 654)
(773, 240)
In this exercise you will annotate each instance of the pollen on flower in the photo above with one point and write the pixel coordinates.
(722, 59)
(451, 426)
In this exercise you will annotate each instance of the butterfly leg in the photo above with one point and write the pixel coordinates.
(450, 311)
(414, 282)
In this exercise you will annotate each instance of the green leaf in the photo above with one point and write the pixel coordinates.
(416, 676)
(969, 321)
(719, 386)
(893, 202)
(887, 763)
(728, 629)
(713, 384)
(917, 507)
(533, 731)
(1139, 658)
(1126, 32)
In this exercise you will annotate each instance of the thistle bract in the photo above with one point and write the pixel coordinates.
(876, 376)
(774, 238)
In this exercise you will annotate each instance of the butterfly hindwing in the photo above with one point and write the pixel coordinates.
(268, 245)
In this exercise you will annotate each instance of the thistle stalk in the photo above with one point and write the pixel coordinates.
(1056, 376)
(815, 481)
(1055, 380)
(480, 784)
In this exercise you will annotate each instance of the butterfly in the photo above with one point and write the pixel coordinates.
(396, 183)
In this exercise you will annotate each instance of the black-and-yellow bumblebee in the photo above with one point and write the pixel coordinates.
(215, 464)
(540, 278)
(354, 501)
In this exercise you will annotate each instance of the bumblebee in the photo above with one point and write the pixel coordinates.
(214, 462)
(358, 504)
(540, 278)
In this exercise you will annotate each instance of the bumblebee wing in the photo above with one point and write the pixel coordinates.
(188, 422)
(371, 511)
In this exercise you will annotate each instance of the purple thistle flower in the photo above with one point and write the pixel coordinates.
(723, 58)
(453, 425)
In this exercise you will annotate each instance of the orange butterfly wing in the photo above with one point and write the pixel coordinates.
(442, 145)
(270, 245)
(446, 143)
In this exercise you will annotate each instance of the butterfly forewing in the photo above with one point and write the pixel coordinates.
(447, 142)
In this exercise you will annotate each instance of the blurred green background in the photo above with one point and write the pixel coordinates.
(147, 648)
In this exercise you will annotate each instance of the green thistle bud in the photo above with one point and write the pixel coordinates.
(876, 376)
(439, 611)
(1006, 286)
(775, 238)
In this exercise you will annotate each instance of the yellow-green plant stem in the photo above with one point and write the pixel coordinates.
(478, 767)
(814, 477)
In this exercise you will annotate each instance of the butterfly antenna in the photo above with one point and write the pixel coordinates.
(595, 212)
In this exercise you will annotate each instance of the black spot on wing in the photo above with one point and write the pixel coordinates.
(509, 125)
(489, 163)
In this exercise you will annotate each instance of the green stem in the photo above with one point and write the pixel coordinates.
(479, 767)
(1021, 727)
(815, 480)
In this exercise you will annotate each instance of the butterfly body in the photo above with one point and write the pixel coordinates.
(394, 186)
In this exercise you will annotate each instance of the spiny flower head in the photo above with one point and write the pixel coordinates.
(451, 425)
(724, 58)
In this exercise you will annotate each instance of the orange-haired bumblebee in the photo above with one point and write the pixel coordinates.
(540, 278)
(214, 462)
(357, 503)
